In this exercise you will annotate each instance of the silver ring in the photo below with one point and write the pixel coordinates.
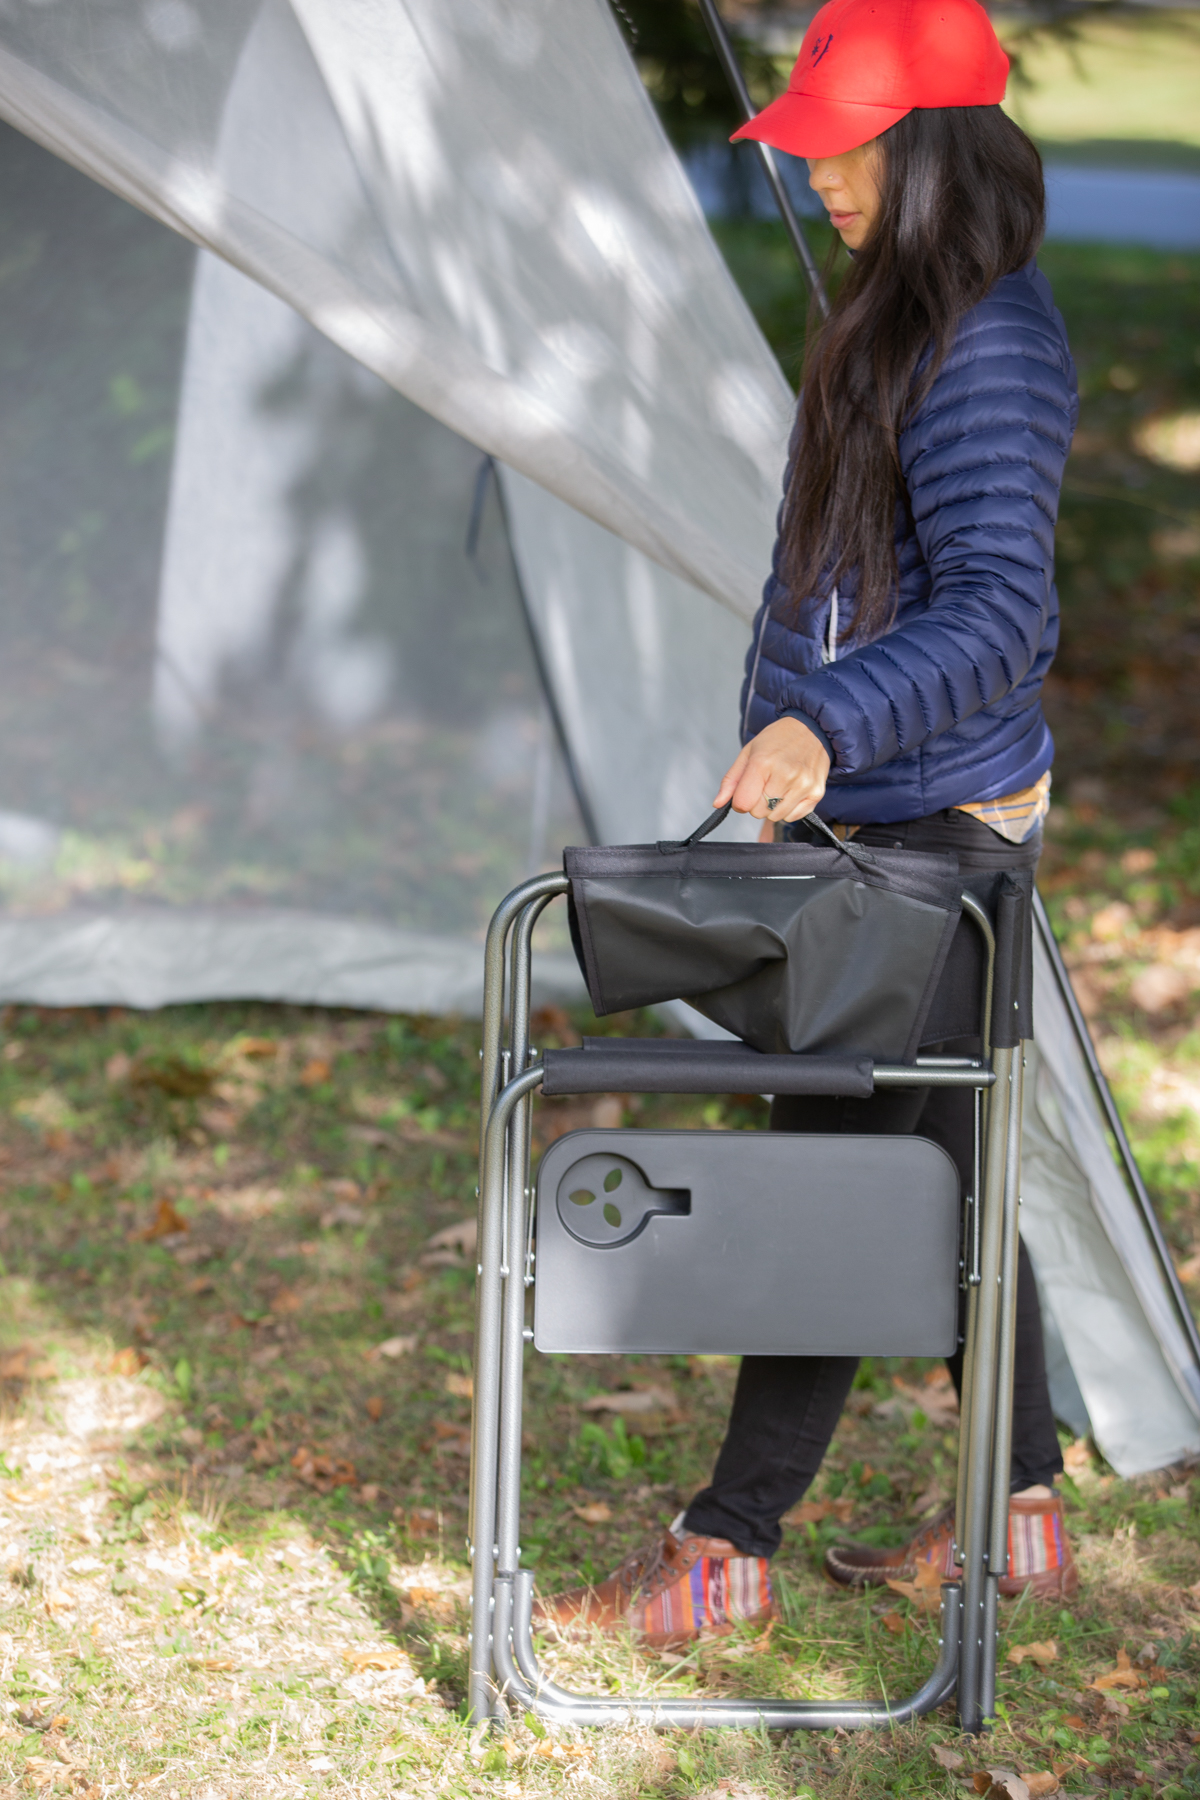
(772, 804)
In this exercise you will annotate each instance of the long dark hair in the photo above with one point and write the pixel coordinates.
(962, 203)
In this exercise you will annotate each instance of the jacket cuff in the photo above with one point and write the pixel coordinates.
(792, 712)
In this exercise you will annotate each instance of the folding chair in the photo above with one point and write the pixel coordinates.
(614, 1209)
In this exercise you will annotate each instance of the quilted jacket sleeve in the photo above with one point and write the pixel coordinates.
(983, 462)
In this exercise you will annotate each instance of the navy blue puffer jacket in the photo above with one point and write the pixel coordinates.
(945, 707)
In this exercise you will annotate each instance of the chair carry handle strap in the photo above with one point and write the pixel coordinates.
(855, 852)
(669, 846)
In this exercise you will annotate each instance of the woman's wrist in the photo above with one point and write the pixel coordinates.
(811, 725)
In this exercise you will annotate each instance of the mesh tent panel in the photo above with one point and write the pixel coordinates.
(248, 661)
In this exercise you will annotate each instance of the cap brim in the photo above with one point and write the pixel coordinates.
(806, 125)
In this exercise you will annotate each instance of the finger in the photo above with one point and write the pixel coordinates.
(753, 792)
(801, 807)
(731, 777)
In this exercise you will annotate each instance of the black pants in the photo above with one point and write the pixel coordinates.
(786, 1408)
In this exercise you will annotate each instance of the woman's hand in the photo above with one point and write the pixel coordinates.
(786, 762)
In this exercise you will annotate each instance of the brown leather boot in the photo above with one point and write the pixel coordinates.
(1039, 1554)
(669, 1594)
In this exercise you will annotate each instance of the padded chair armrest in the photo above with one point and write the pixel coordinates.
(685, 1066)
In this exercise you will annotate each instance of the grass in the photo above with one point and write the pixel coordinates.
(235, 1379)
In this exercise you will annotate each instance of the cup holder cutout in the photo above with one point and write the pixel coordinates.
(592, 1219)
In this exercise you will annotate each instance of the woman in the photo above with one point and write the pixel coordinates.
(894, 677)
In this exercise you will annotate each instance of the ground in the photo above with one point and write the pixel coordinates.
(235, 1362)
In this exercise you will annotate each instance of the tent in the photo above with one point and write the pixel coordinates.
(391, 519)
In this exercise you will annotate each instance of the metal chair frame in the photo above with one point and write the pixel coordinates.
(503, 1665)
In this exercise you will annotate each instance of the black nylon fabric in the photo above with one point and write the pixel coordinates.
(792, 947)
(985, 861)
(688, 1066)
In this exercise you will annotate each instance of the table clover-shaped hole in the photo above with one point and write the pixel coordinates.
(587, 1198)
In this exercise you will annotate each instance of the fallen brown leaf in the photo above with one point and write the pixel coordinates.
(555, 1752)
(808, 1512)
(461, 1386)
(1002, 1784)
(1077, 1457)
(594, 1513)
(324, 1473)
(129, 1361)
(431, 1600)
(1075, 1722)
(286, 1301)
(949, 1759)
(392, 1347)
(374, 1407)
(811, 1512)
(255, 1046)
(388, 1658)
(200, 1284)
(368, 1493)
(1040, 1653)
(457, 1240)
(1041, 1782)
(315, 1072)
(418, 1521)
(937, 1400)
(30, 1496)
(165, 1223)
(14, 1364)
(892, 1621)
(1123, 1676)
(925, 1590)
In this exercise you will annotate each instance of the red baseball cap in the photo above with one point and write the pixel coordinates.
(865, 63)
